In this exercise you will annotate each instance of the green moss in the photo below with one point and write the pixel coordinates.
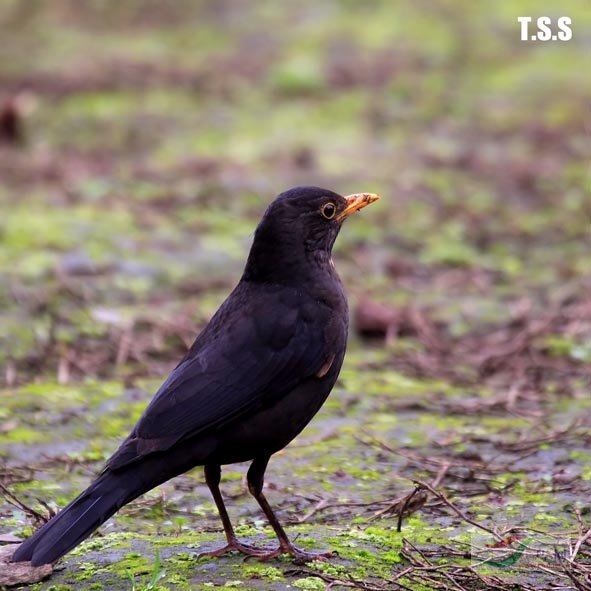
(24, 435)
(112, 540)
(310, 584)
(269, 573)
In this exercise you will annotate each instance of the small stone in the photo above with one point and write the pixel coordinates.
(20, 573)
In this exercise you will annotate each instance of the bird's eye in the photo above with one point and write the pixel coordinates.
(328, 210)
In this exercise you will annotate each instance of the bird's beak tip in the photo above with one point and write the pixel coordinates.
(356, 202)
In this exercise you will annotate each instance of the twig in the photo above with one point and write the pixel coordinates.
(16, 502)
(406, 503)
(577, 547)
(456, 510)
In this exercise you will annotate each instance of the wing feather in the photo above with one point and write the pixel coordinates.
(256, 348)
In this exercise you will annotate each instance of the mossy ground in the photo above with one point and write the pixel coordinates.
(159, 135)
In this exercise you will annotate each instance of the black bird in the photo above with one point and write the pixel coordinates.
(251, 381)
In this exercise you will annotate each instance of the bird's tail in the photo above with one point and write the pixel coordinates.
(106, 495)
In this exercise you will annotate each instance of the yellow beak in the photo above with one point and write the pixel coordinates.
(356, 202)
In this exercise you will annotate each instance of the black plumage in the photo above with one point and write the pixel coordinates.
(252, 380)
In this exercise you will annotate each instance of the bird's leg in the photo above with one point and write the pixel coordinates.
(255, 477)
(213, 474)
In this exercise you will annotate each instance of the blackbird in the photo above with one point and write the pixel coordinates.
(251, 381)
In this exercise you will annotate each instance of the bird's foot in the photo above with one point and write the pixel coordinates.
(264, 554)
(298, 555)
(236, 546)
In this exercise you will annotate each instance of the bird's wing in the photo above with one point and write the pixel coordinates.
(254, 350)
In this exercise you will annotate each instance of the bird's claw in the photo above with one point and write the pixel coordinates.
(265, 554)
(300, 556)
(236, 546)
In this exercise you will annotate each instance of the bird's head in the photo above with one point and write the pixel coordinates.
(298, 230)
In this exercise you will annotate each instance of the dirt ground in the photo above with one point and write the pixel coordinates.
(139, 144)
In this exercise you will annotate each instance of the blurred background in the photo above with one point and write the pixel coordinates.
(140, 143)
